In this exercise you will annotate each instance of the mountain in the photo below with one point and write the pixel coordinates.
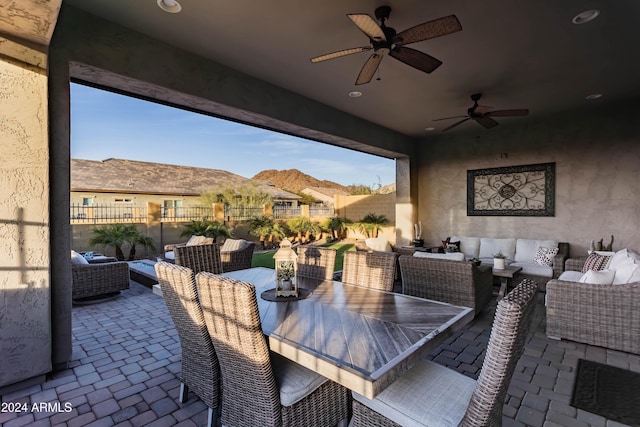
(294, 180)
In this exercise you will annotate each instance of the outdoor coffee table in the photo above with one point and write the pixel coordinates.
(505, 275)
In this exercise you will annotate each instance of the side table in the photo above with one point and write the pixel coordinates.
(505, 276)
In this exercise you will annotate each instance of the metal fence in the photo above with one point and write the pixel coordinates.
(189, 213)
(286, 212)
(81, 214)
(324, 211)
(242, 213)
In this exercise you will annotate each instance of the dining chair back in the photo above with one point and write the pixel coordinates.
(316, 262)
(200, 258)
(430, 394)
(370, 269)
(261, 388)
(200, 367)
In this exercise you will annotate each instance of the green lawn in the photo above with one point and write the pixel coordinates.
(265, 259)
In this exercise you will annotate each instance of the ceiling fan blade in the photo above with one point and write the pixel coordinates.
(487, 122)
(369, 69)
(448, 118)
(416, 59)
(368, 25)
(483, 109)
(429, 30)
(340, 53)
(508, 113)
(455, 124)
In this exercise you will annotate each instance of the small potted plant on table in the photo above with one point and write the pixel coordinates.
(498, 260)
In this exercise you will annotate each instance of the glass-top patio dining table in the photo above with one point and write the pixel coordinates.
(358, 337)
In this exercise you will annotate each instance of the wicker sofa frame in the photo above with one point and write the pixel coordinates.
(602, 315)
(239, 259)
(454, 282)
(93, 280)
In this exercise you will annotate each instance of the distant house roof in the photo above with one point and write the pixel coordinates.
(131, 176)
(327, 191)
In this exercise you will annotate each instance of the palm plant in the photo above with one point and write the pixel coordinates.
(261, 226)
(117, 235)
(278, 231)
(212, 229)
(302, 225)
(336, 226)
(371, 224)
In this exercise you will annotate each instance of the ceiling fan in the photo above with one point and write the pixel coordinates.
(483, 114)
(384, 40)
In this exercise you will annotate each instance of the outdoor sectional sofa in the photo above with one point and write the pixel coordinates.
(602, 314)
(518, 252)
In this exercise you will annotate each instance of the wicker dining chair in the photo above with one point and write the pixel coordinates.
(433, 395)
(262, 388)
(370, 269)
(200, 367)
(200, 258)
(316, 262)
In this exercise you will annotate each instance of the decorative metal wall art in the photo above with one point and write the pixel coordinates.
(527, 190)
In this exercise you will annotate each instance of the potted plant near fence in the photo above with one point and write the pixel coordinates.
(498, 260)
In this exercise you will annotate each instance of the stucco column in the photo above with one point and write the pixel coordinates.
(405, 211)
(25, 329)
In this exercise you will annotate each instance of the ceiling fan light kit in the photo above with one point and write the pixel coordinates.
(171, 6)
(386, 41)
(586, 16)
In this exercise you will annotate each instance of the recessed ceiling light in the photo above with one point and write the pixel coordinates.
(171, 6)
(429, 129)
(594, 96)
(586, 16)
(355, 94)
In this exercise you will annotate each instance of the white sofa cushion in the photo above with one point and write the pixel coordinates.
(170, 255)
(625, 271)
(469, 246)
(600, 277)
(294, 380)
(233, 245)
(526, 249)
(618, 259)
(427, 395)
(534, 269)
(453, 256)
(489, 246)
(570, 276)
(78, 259)
(378, 244)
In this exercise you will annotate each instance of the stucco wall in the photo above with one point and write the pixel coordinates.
(597, 156)
(25, 340)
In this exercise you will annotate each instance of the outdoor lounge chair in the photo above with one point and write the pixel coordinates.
(237, 259)
(200, 367)
(430, 394)
(261, 388)
(97, 280)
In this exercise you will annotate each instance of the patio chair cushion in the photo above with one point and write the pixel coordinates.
(527, 249)
(598, 277)
(570, 276)
(428, 394)
(453, 256)
(199, 240)
(78, 259)
(230, 245)
(170, 255)
(378, 244)
(294, 380)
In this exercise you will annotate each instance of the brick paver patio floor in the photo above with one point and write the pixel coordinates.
(126, 364)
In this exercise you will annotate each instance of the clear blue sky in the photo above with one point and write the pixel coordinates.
(105, 124)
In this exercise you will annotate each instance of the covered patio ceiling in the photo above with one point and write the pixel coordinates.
(518, 55)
